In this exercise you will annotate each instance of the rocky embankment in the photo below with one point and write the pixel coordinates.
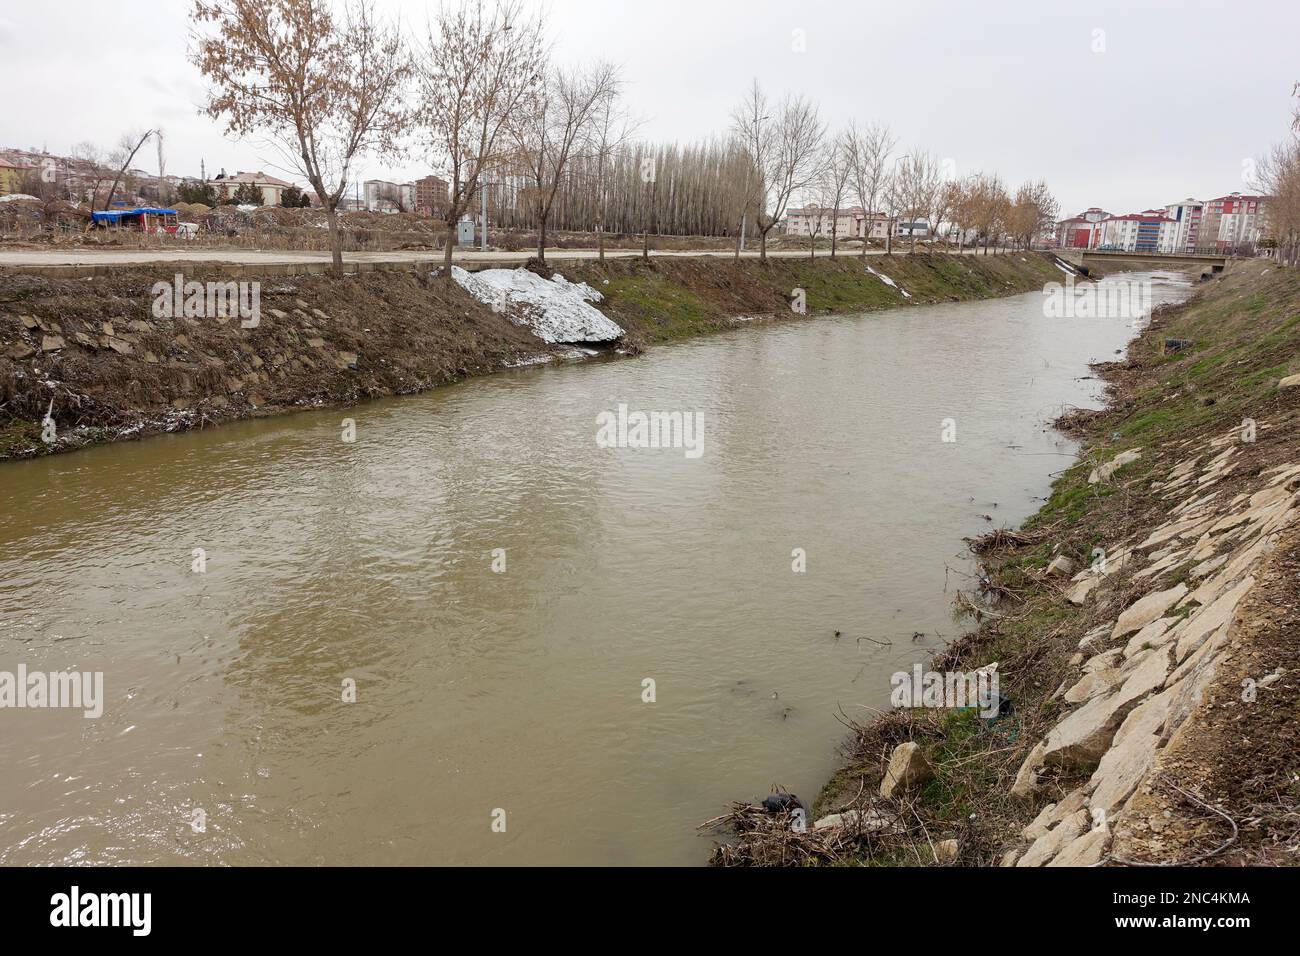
(1143, 684)
(1144, 626)
(92, 360)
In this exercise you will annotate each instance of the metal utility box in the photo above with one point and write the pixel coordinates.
(465, 232)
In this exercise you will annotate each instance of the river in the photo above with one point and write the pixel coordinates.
(225, 738)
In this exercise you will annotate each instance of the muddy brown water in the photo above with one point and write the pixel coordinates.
(521, 690)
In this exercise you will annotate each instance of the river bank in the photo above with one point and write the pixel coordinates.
(1143, 627)
(92, 355)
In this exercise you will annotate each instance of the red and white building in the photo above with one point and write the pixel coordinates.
(1232, 221)
(1082, 231)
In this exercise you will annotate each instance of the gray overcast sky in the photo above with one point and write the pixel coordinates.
(1183, 93)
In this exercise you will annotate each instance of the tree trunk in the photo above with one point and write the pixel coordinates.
(541, 239)
(446, 256)
(600, 239)
(762, 245)
(834, 234)
(336, 241)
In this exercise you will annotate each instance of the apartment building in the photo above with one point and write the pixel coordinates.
(852, 223)
(1231, 222)
(1082, 231)
(431, 195)
(1147, 231)
(1185, 236)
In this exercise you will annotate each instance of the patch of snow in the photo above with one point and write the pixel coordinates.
(531, 360)
(14, 197)
(1067, 271)
(555, 311)
(889, 282)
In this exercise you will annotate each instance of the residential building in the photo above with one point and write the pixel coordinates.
(383, 196)
(1082, 231)
(1148, 231)
(852, 223)
(11, 177)
(1187, 214)
(272, 189)
(1231, 221)
(431, 195)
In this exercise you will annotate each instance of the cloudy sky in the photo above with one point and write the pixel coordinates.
(1123, 103)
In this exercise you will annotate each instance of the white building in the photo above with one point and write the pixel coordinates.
(383, 196)
(852, 223)
(1183, 237)
(1149, 231)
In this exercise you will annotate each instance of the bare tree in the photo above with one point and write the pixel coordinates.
(122, 158)
(988, 206)
(551, 126)
(1030, 212)
(612, 126)
(837, 169)
(162, 168)
(918, 184)
(87, 163)
(963, 209)
(480, 66)
(869, 151)
(323, 90)
(1278, 177)
(784, 151)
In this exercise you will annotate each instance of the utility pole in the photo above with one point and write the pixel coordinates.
(483, 220)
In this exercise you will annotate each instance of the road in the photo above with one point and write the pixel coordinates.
(53, 258)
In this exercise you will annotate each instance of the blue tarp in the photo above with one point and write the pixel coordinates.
(115, 215)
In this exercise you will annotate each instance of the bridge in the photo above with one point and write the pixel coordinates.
(1208, 261)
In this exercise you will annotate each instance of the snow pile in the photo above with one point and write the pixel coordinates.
(889, 282)
(14, 197)
(556, 311)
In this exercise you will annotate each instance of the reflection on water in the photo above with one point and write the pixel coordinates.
(519, 690)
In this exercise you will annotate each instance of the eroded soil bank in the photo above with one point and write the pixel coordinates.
(1145, 627)
(92, 354)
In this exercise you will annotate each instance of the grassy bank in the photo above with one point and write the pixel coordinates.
(1174, 408)
(114, 371)
(667, 299)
